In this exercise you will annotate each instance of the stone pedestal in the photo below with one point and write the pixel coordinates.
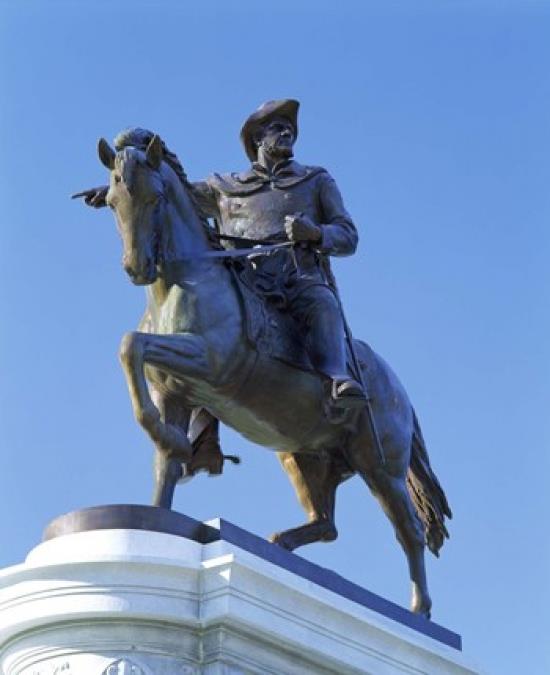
(139, 591)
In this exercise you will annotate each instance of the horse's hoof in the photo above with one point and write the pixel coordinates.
(330, 534)
(421, 605)
(279, 539)
(425, 613)
(148, 417)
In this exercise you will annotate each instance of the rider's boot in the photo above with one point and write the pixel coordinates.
(207, 456)
(205, 441)
(347, 393)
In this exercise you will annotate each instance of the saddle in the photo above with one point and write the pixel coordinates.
(268, 328)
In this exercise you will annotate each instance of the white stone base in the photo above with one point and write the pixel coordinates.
(134, 602)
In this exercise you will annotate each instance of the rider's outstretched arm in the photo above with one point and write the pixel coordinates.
(94, 196)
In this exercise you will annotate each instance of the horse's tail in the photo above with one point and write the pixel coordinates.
(427, 494)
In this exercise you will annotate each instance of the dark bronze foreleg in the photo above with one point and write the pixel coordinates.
(179, 355)
(202, 430)
(168, 469)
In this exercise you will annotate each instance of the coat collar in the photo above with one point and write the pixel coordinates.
(285, 174)
(287, 167)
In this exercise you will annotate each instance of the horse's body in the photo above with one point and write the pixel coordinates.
(191, 350)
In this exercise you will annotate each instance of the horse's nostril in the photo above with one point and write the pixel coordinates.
(128, 269)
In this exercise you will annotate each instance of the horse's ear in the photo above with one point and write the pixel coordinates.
(106, 154)
(154, 152)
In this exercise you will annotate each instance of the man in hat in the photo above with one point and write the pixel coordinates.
(279, 199)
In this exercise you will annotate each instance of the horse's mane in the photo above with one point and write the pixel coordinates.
(139, 138)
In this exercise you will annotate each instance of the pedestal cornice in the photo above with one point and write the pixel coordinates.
(193, 598)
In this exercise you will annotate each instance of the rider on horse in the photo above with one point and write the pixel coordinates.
(276, 200)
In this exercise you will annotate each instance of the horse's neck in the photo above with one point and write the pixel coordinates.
(183, 237)
(183, 242)
(194, 294)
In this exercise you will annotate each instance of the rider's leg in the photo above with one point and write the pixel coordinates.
(319, 316)
(202, 430)
(204, 434)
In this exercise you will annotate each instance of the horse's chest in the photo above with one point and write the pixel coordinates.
(177, 314)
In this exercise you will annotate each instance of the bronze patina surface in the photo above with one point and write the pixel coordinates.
(204, 351)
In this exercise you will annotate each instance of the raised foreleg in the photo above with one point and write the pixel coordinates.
(315, 478)
(180, 355)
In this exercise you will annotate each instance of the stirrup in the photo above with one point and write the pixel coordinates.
(208, 457)
(348, 394)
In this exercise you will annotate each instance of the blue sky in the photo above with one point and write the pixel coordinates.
(433, 118)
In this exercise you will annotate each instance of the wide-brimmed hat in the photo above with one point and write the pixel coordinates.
(286, 107)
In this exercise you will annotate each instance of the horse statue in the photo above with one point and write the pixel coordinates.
(192, 350)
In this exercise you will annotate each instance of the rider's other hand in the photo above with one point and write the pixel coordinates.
(301, 228)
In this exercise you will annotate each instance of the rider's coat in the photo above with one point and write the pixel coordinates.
(253, 204)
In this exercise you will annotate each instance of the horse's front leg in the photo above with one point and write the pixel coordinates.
(168, 470)
(181, 355)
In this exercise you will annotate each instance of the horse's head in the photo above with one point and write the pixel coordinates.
(136, 186)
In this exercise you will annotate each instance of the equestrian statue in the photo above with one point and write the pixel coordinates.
(244, 325)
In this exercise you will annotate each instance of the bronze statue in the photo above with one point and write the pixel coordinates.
(251, 332)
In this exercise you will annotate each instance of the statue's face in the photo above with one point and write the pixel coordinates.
(277, 137)
(134, 190)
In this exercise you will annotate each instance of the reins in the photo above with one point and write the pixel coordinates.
(242, 240)
(250, 246)
(242, 252)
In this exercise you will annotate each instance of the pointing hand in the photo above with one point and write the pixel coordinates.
(94, 197)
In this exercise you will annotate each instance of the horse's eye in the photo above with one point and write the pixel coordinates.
(117, 178)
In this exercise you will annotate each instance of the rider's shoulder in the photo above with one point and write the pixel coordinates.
(310, 170)
(321, 173)
(248, 181)
(324, 180)
(224, 182)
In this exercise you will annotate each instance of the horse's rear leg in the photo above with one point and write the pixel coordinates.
(315, 479)
(388, 484)
(394, 497)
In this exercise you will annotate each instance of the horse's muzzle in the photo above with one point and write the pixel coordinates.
(142, 277)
